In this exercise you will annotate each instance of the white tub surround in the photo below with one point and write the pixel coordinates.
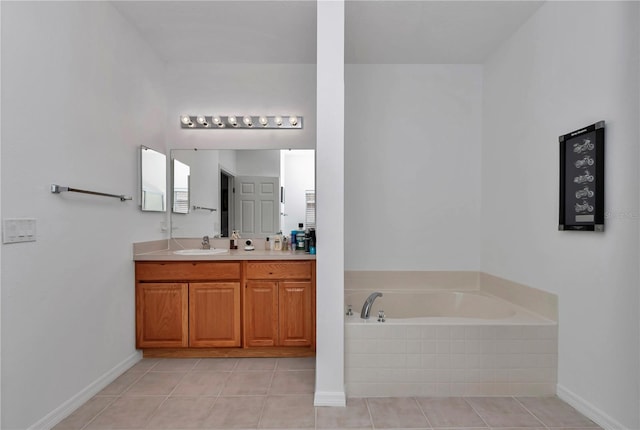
(442, 307)
(532, 299)
(437, 341)
(404, 359)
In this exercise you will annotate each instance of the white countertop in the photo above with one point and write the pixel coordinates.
(163, 250)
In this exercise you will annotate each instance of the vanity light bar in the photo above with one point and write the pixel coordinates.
(240, 121)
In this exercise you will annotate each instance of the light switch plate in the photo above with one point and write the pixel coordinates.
(16, 230)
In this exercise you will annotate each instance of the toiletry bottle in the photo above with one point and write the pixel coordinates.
(285, 243)
(277, 243)
(294, 241)
(234, 239)
(307, 240)
(312, 241)
(267, 245)
(300, 237)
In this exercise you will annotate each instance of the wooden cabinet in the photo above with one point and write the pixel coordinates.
(203, 310)
(279, 304)
(225, 308)
(295, 314)
(261, 313)
(161, 315)
(214, 314)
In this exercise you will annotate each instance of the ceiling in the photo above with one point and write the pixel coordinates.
(284, 31)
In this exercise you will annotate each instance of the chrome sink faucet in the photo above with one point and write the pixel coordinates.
(366, 308)
(205, 243)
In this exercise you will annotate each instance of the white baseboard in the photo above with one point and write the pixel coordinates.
(330, 398)
(65, 409)
(588, 410)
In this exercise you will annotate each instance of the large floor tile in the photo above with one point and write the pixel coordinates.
(235, 413)
(85, 413)
(296, 363)
(181, 413)
(247, 383)
(354, 416)
(175, 365)
(219, 364)
(257, 364)
(503, 412)
(201, 384)
(127, 413)
(121, 383)
(145, 364)
(449, 412)
(553, 412)
(155, 384)
(293, 382)
(396, 413)
(287, 412)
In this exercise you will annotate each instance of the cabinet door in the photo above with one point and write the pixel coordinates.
(261, 313)
(295, 314)
(162, 315)
(214, 314)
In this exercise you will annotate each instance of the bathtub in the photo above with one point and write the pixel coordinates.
(447, 343)
(438, 307)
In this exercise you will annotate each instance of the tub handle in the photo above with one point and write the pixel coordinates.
(381, 316)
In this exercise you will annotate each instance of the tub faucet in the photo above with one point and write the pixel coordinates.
(366, 308)
(205, 243)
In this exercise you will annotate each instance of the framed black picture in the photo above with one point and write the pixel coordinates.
(582, 179)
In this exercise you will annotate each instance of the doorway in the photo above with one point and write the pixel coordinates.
(227, 191)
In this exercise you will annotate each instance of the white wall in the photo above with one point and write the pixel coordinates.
(225, 89)
(80, 94)
(572, 64)
(258, 163)
(412, 167)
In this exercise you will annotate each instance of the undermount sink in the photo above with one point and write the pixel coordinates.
(212, 251)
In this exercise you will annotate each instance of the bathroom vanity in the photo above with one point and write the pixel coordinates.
(237, 304)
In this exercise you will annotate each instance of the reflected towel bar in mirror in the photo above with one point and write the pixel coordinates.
(203, 208)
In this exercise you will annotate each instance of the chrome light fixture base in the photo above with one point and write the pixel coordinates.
(246, 122)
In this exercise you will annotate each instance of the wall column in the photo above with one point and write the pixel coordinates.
(330, 208)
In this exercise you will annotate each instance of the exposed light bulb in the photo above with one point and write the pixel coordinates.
(232, 120)
(247, 121)
(185, 119)
(278, 121)
(201, 120)
(217, 121)
(263, 120)
(293, 120)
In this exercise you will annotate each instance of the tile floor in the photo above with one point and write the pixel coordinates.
(270, 393)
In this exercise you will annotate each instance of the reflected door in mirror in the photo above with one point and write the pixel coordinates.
(257, 205)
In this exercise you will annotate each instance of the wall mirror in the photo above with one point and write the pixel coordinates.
(153, 172)
(257, 192)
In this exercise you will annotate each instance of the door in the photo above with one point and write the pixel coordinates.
(261, 313)
(295, 314)
(214, 314)
(257, 204)
(162, 315)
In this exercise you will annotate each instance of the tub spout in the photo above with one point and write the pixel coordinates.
(366, 308)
